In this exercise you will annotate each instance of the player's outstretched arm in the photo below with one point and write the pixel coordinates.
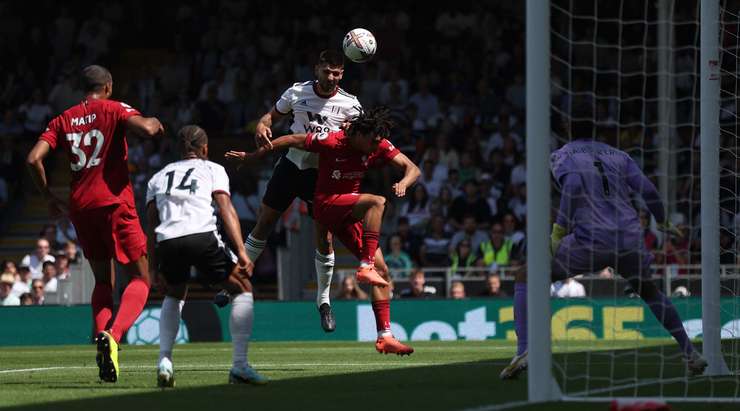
(290, 140)
(233, 231)
(144, 126)
(263, 132)
(35, 164)
(410, 173)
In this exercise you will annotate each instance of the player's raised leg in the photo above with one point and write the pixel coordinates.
(381, 303)
(369, 208)
(324, 263)
(240, 326)
(257, 238)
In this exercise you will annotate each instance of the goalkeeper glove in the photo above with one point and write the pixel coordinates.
(668, 228)
(558, 232)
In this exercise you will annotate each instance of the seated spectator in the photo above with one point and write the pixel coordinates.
(418, 287)
(9, 267)
(398, 262)
(37, 291)
(350, 290)
(496, 251)
(569, 288)
(469, 232)
(49, 272)
(417, 208)
(518, 202)
(457, 290)
(26, 299)
(22, 281)
(6, 285)
(410, 241)
(10, 126)
(470, 202)
(62, 266)
(442, 204)
(65, 231)
(462, 258)
(435, 250)
(49, 232)
(71, 251)
(468, 169)
(493, 287)
(511, 228)
(36, 113)
(36, 260)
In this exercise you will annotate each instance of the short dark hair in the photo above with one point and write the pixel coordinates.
(191, 138)
(94, 77)
(46, 264)
(333, 58)
(376, 121)
(582, 122)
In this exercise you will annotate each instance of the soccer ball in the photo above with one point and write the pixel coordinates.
(359, 45)
(146, 329)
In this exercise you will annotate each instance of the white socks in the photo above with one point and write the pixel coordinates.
(169, 324)
(324, 271)
(254, 247)
(240, 326)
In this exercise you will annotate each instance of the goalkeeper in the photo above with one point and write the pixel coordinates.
(597, 226)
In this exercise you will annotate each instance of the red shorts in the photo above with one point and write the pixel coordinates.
(335, 213)
(112, 231)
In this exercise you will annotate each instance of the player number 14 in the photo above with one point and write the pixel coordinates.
(82, 161)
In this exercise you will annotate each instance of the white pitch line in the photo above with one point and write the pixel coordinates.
(193, 367)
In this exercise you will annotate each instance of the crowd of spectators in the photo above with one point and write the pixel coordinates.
(453, 77)
(39, 272)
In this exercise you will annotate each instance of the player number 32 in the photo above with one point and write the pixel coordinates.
(87, 139)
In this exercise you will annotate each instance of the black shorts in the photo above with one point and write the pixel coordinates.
(287, 183)
(204, 251)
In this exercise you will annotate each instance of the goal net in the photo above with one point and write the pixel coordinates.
(638, 65)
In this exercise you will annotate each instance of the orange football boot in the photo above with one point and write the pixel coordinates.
(388, 344)
(368, 275)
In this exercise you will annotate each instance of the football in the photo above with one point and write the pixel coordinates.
(359, 45)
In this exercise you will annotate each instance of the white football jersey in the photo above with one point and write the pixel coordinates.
(313, 113)
(183, 193)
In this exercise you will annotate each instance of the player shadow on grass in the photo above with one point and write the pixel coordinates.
(439, 387)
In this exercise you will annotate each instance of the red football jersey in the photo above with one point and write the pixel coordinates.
(92, 134)
(341, 167)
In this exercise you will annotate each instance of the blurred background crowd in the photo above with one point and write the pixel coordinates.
(453, 76)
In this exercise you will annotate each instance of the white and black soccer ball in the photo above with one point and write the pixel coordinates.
(359, 45)
(146, 329)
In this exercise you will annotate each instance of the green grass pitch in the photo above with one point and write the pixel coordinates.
(324, 376)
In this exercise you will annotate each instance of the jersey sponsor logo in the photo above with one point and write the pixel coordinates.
(84, 120)
(313, 128)
(336, 174)
(317, 118)
(348, 175)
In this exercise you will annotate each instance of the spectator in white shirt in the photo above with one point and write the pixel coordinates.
(36, 260)
(50, 277)
(36, 113)
(569, 288)
(6, 284)
(22, 282)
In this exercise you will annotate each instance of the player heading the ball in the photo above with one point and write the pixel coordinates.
(354, 217)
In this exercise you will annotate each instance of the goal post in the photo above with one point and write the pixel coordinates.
(709, 134)
(541, 386)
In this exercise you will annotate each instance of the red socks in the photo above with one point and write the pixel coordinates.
(132, 302)
(102, 306)
(369, 245)
(382, 310)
